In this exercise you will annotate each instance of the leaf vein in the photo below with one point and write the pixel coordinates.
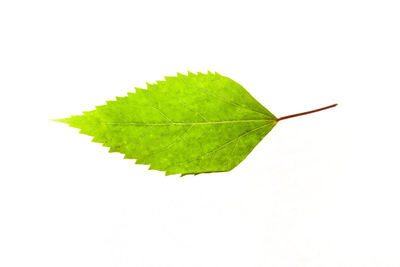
(176, 123)
(226, 101)
(176, 141)
(218, 148)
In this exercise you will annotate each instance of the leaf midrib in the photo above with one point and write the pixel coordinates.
(179, 123)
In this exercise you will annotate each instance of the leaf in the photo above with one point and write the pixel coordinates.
(189, 124)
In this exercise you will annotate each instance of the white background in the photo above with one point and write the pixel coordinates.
(320, 190)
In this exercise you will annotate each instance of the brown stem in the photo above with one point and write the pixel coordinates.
(304, 113)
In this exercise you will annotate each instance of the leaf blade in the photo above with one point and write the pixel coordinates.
(188, 124)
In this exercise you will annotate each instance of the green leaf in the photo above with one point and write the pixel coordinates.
(189, 124)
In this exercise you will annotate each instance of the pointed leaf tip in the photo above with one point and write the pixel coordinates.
(65, 120)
